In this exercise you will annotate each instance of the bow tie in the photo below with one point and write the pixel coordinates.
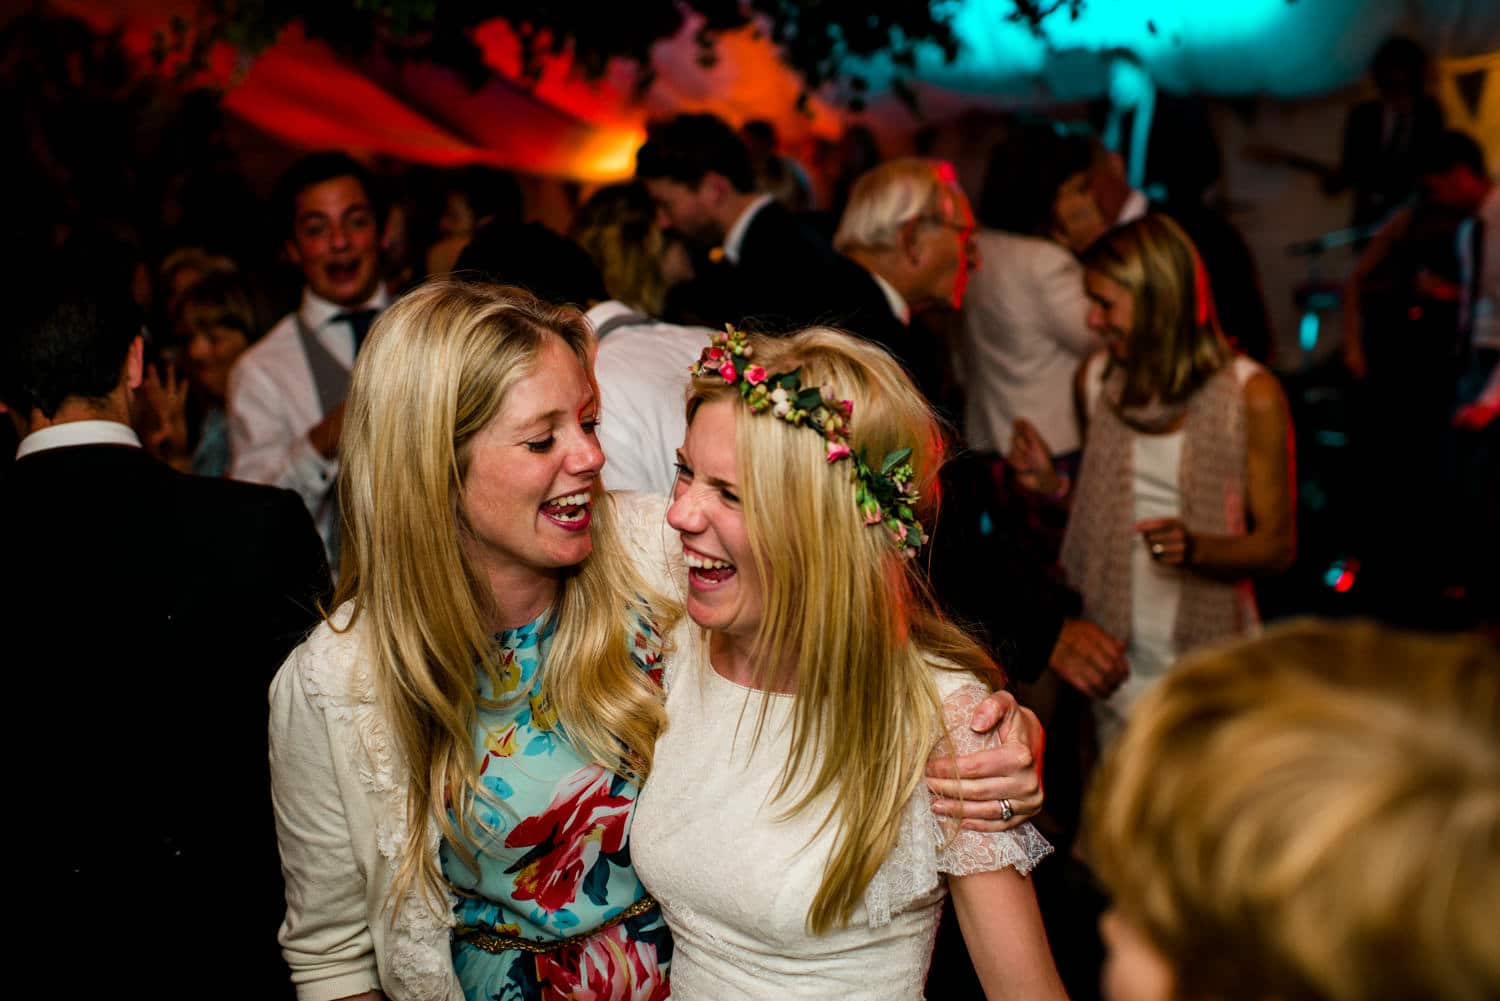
(359, 321)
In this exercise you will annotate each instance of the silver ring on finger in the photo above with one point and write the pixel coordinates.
(1156, 550)
(1006, 811)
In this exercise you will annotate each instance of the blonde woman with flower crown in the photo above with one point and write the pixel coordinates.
(456, 751)
(786, 830)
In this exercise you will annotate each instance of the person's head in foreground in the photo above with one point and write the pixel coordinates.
(801, 540)
(472, 503)
(1313, 815)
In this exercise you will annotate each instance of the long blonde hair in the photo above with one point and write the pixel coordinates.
(434, 371)
(843, 610)
(1175, 344)
(1313, 815)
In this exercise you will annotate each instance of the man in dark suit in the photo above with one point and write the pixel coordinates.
(143, 613)
(767, 269)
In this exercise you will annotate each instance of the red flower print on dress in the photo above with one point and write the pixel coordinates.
(609, 966)
(566, 839)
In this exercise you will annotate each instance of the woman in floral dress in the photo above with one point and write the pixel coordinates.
(457, 750)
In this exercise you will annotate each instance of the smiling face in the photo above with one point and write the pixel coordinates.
(1112, 315)
(724, 591)
(530, 477)
(336, 241)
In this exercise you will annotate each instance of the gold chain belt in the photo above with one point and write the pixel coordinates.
(495, 942)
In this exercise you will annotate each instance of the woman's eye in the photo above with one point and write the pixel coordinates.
(683, 472)
(730, 496)
(541, 445)
(590, 425)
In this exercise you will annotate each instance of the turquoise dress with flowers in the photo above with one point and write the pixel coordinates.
(553, 852)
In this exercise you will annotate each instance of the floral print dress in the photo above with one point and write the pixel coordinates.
(554, 854)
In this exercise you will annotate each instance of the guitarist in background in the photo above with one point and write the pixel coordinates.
(1382, 137)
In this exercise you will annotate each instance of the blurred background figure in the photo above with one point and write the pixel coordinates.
(1025, 327)
(185, 420)
(472, 197)
(1383, 137)
(642, 362)
(776, 173)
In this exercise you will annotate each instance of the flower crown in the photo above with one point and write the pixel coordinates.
(885, 497)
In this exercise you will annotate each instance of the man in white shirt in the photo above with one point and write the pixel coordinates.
(286, 394)
(642, 368)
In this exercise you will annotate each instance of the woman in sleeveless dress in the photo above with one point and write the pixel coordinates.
(456, 752)
(786, 831)
(1197, 439)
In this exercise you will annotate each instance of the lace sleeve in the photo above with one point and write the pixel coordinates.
(961, 852)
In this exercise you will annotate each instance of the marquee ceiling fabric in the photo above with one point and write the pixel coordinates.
(300, 92)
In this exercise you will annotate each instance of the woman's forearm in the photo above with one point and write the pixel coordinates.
(1003, 931)
(1231, 557)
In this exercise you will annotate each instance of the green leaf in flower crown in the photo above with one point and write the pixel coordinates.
(894, 459)
(792, 380)
(808, 399)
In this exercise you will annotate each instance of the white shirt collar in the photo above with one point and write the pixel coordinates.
(1135, 206)
(736, 235)
(71, 433)
(316, 310)
(603, 312)
(895, 299)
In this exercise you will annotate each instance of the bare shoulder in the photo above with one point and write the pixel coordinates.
(1264, 396)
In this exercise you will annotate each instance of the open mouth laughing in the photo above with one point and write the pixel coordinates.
(570, 511)
(706, 571)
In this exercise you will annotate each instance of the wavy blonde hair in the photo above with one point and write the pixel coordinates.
(1176, 344)
(843, 610)
(1313, 815)
(434, 372)
(617, 228)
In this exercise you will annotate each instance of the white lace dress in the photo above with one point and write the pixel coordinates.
(735, 880)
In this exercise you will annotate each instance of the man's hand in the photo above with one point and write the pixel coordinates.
(976, 786)
(1089, 659)
(1031, 458)
(166, 414)
(324, 435)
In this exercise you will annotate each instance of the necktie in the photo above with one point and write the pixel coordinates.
(359, 321)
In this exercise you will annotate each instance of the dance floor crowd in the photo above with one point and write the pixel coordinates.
(684, 604)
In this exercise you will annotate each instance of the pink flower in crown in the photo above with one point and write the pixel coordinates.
(755, 375)
(837, 450)
(728, 372)
(714, 354)
(847, 406)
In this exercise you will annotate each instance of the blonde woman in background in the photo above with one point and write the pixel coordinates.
(786, 830)
(1312, 815)
(642, 362)
(1198, 440)
(456, 751)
